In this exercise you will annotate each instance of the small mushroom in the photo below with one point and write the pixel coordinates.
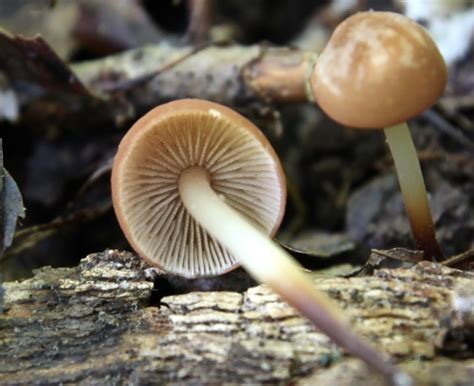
(198, 190)
(164, 165)
(378, 70)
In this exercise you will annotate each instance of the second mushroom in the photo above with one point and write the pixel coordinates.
(378, 70)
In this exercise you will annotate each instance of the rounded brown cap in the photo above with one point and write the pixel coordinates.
(378, 69)
(242, 166)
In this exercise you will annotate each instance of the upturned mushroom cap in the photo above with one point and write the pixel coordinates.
(242, 167)
(378, 69)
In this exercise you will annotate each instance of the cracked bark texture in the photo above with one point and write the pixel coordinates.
(98, 324)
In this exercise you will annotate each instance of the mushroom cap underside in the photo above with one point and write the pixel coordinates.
(242, 166)
(377, 70)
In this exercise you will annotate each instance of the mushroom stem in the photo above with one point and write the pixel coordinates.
(413, 189)
(271, 265)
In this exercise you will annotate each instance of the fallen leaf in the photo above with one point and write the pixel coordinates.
(317, 249)
(46, 90)
(11, 205)
(390, 258)
(12, 208)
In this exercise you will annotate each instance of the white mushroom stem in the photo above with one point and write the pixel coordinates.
(271, 265)
(413, 189)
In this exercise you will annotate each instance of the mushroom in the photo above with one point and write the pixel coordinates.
(198, 190)
(378, 70)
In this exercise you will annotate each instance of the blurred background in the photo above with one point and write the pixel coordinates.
(59, 141)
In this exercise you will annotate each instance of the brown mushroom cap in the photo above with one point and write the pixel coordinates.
(242, 166)
(378, 69)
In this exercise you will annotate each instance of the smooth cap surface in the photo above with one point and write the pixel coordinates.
(242, 166)
(378, 69)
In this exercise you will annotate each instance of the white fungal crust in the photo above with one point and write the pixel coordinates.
(242, 170)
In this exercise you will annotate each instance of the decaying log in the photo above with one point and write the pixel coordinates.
(98, 323)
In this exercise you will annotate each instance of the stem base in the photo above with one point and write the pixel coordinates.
(413, 190)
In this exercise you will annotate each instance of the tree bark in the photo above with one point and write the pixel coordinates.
(98, 323)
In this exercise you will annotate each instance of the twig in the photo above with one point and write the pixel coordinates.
(200, 20)
(455, 260)
(446, 128)
(231, 74)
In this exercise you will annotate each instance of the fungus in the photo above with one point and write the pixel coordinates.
(378, 70)
(197, 190)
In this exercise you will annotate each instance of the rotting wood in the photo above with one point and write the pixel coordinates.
(95, 324)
